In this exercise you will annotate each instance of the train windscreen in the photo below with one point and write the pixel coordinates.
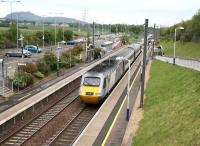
(91, 81)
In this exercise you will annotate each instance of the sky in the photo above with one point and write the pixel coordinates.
(159, 12)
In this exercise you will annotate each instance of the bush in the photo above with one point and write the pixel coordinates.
(22, 79)
(43, 67)
(77, 49)
(39, 75)
(50, 59)
(29, 67)
(68, 34)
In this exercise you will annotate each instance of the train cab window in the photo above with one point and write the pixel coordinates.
(91, 81)
(104, 83)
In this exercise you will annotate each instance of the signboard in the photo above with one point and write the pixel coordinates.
(21, 64)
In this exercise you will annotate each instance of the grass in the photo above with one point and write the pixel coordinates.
(172, 108)
(3, 28)
(185, 49)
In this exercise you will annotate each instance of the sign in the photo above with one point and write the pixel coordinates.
(21, 64)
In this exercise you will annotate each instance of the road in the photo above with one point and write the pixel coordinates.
(192, 64)
(12, 62)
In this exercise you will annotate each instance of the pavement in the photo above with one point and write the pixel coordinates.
(192, 64)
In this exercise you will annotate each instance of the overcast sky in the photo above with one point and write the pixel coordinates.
(160, 12)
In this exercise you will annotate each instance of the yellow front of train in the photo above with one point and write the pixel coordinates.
(90, 90)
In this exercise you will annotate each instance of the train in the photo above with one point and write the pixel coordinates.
(98, 82)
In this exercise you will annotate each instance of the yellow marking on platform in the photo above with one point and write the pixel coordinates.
(24, 97)
(116, 116)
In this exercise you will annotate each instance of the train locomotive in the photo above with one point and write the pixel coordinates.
(100, 80)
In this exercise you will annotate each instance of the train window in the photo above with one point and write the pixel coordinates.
(104, 83)
(91, 81)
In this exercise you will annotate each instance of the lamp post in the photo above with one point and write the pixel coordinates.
(128, 87)
(22, 45)
(63, 29)
(11, 2)
(17, 31)
(128, 90)
(58, 56)
(43, 31)
(181, 28)
(2, 61)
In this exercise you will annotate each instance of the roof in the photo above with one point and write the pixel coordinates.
(106, 66)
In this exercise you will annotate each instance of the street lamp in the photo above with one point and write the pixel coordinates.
(43, 31)
(63, 30)
(128, 88)
(17, 30)
(2, 61)
(11, 2)
(58, 56)
(181, 28)
(22, 45)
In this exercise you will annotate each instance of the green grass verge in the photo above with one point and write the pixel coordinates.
(185, 49)
(172, 108)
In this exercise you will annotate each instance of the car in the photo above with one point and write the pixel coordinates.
(18, 53)
(33, 49)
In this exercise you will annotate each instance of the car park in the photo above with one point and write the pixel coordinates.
(18, 53)
(33, 49)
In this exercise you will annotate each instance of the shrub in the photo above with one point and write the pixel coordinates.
(39, 75)
(22, 79)
(43, 67)
(77, 49)
(29, 67)
(68, 34)
(50, 59)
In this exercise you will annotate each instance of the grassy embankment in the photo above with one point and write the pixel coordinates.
(172, 108)
(183, 49)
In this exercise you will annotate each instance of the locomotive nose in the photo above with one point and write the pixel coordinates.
(90, 95)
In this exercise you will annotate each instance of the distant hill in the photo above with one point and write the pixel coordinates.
(30, 17)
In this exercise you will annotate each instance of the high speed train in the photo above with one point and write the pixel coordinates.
(100, 80)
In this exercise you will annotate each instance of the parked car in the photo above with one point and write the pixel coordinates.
(33, 49)
(18, 53)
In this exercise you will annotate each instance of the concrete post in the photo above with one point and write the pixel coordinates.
(144, 64)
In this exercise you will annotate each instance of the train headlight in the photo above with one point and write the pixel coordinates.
(97, 94)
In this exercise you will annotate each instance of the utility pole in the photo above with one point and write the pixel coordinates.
(144, 64)
(93, 29)
(17, 30)
(154, 38)
(43, 32)
(58, 59)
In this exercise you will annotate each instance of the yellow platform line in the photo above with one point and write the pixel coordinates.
(24, 96)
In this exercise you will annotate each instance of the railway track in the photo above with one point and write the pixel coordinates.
(24, 134)
(72, 130)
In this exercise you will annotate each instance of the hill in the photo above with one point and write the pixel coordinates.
(30, 17)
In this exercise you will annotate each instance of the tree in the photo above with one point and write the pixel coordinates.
(48, 36)
(12, 32)
(60, 34)
(39, 37)
(68, 34)
(50, 59)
